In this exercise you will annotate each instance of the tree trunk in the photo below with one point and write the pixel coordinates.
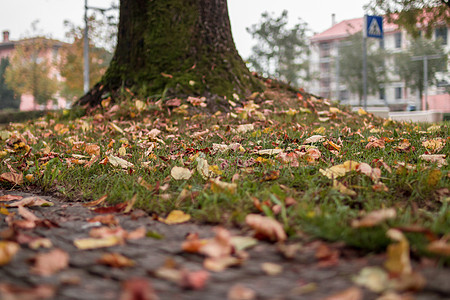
(175, 47)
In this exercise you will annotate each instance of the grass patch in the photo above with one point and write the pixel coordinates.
(71, 155)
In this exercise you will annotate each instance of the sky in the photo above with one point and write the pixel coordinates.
(17, 15)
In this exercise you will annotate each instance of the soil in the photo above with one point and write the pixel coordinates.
(306, 275)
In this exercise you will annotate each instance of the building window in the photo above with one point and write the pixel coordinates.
(325, 67)
(381, 45)
(398, 39)
(343, 95)
(382, 94)
(441, 33)
(398, 93)
(324, 49)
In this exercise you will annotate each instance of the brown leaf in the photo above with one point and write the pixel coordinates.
(92, 149)
(10, 197)
(352, 293)
(115, 260)
(266, 227)
(46, 264)
(31, 201)
(11, 177)
(375, 217)
(109, 220)
(441, 247)
(137, 288)
(97, 202)
(195, 280)
(10, 291)
(241, 292)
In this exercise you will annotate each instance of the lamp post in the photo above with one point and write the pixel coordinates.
(425, 59)
(86, 43)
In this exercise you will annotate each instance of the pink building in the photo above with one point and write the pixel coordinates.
(324, 62)
(27, 102)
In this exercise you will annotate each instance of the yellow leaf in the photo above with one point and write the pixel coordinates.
(175, 217)
(215, 169)
(398, 261)
(374, 278)
(343, 189)
(93, 243)
(340, 170)
(271, 269)
(179, 173)
(140, 105)
(434, 177)
(335, 110)
(7, 251)
(320, 130)
(362, 112)
(218, 186)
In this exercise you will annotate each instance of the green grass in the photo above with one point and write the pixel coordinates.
(300, 197)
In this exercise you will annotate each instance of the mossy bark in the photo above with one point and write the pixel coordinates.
(175, 47)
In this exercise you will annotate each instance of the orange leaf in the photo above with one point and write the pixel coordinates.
(115, 260)
(10, 197)
(266, 227)
(46, 264)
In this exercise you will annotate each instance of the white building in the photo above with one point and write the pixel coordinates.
(324, 57)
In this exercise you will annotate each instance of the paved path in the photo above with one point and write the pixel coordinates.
(302, 277)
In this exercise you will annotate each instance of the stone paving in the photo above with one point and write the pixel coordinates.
(302, 277)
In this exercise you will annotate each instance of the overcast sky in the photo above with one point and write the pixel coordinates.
(17, 15)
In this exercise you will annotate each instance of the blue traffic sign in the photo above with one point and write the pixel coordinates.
(373, 26)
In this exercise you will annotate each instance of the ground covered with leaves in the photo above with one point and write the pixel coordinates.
(281, 166)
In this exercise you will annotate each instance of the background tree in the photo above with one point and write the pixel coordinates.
(351, 65)
(7, 97)
(30, 71)
(411, 71)
(281, 52)
(431, 14)
(71, 66)
(175, 47)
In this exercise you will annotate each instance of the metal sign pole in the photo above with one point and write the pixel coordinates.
(365, 63)
(86, 51)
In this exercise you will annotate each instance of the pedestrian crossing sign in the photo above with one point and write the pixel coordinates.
(373, 26)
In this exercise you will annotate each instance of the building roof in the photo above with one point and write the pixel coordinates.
(346, 28)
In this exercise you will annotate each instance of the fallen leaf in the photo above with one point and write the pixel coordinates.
(109, 220)
(7, 251)
(241, 292)
(266, 227)
(245, 128)
(439, 159)
(175, 217)
(195, 280)
(46, 264)
(218, 186)
(137, 289)
(179, 173)
(270, 151)
(115, 260)
(92, 149)
(374, 278)
(243, 242)
(40, 243)
(375, 217)
(434, 145)
(440, 247)
(11, 177)
(10, 291)
(119, 162)
(27, 214)
(219, 246)
(203, 167)
(398, 259)
(352, 293)
(271, 269)
(31, 201)
(97, 202)
(10, 197)
(314, 139)
(339, 170)
(93, 243)
(434, 177)
(218, 264)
